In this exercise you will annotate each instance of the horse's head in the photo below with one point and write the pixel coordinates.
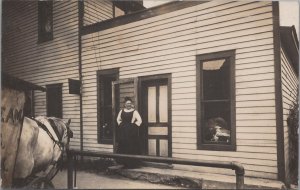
(63, 129)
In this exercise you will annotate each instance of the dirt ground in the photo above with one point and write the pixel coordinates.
(86, 180)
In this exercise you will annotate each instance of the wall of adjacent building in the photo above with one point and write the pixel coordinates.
(289, 86)
(97, 11)
(44, 63)
(169, 43)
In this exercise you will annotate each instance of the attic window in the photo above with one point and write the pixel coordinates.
(45, 21)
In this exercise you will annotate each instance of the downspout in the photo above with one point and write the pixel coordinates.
(80, 25)
(278, 94)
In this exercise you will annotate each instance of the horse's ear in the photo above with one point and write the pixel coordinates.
(68, 123)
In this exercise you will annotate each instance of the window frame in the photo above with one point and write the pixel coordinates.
(42, 35)
(230, 55)
(100, 115)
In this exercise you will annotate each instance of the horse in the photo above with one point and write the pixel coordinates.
(42, 143)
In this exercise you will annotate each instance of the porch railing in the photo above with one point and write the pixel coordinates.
(72, 154)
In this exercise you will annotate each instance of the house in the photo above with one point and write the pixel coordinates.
(193, 68)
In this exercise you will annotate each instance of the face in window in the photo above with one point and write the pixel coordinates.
(217, 130)
(48, 27)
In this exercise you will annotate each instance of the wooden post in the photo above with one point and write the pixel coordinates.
(114, 114)
(70, 170)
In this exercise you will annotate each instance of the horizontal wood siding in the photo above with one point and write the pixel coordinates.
(169, 43)
(45, 63)
(289, 86)
(97, 11)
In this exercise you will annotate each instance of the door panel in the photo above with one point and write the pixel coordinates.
(163, 147)
(152, 147)
(158, 130)
(163, 103)
(151, 104)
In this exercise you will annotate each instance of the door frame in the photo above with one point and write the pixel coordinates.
(142, 80)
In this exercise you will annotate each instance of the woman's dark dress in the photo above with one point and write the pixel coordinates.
(127, 137)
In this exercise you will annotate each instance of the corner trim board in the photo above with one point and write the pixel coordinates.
(278, 94)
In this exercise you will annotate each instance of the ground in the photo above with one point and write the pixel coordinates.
(87, 180)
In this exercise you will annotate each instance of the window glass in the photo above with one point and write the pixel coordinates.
(54, 100)
(45, 17)
(216, 79)
(106, 108)
(216, 116)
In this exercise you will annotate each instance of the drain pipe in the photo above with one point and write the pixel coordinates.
(239, 173)
(80, 25)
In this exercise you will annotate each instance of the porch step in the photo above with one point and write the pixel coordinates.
(158, 178)
(189, 179)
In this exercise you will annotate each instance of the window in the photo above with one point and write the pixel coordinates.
(216, 101)
(45, 21)
(54, 100)
(105, 109)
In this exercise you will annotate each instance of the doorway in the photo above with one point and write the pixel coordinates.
(155, 107)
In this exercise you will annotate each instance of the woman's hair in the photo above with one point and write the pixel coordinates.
(127, 99)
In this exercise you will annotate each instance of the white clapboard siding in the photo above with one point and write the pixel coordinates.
(169, 43)
(97, 11)
(289, 86)
(49, 62)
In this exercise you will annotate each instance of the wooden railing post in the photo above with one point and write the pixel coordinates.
(70, 170)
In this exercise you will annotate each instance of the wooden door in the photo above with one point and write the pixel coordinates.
(156, 117)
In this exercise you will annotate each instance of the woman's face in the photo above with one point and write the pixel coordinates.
(128, 104)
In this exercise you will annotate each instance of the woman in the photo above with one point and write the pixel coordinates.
(129, 121)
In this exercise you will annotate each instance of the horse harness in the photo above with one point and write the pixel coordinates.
(56, 142)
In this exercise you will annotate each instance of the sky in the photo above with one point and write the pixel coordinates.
(289, 14)
(288, 11)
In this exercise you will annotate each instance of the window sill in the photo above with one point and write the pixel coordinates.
(216, 147)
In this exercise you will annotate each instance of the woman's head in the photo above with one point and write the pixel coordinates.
(128, 103)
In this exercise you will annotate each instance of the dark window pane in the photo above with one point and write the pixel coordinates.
(107, 94)
(216, 122)
(106, 120)
(54, 101)
(45, 13)
(107, 123)
(216, 79)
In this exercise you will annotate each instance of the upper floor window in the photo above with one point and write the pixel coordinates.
(45, 20)
(216, 101)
